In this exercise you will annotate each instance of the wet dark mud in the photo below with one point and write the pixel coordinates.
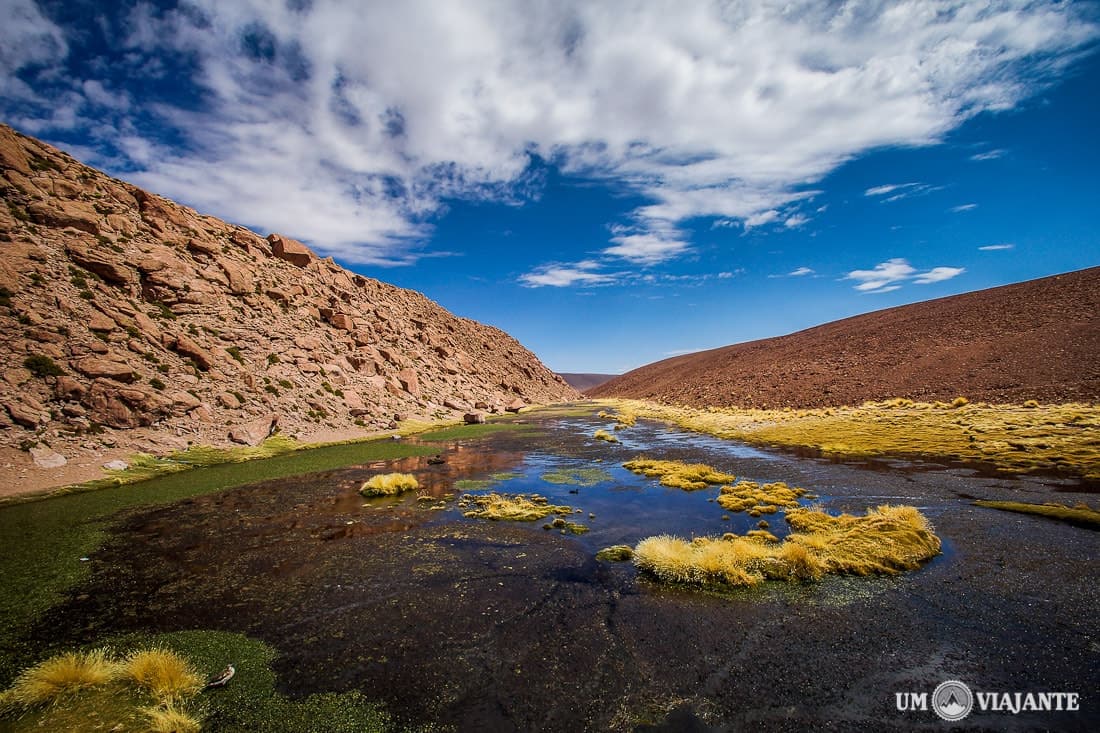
(476, 625)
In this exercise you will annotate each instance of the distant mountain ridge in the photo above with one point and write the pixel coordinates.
(582, 382)
(121, 310)
(1032, 340)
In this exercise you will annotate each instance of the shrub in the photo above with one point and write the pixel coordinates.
(156, 384)
(886, 541)
(42, 366)
(48, 680)
(235, 352)
(163, 673)
(513, 507)
(679, 475)
(604, 435)
(960, 402)
(389, 484)
(170, 720)
(273, 359)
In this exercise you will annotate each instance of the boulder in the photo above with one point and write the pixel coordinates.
(256, 431)
(101, 322)
(184, 346)
(342, 321)
(25, 413)
(515, 405)
(46, 457)
(116, 465)
(68, 388)
(474, 418)
(240, 279)
(290, 250)
(228, 400)
(96, 367)
(61, 213)
(99, 263)
(409, 382)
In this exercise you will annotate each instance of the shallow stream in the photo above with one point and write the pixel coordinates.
(479, 625)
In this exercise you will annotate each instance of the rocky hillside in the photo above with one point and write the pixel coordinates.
(1032, 340)
(121, 311)
(582, 382)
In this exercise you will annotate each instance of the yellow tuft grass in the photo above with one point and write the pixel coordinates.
(602, 434)
(886, 540)
(1015, 438)
(389, 484)
(513, 507)
(163, 673)
(171, 720)
(679, 475)
(48, 680)
(1082, 514)
(767, 499)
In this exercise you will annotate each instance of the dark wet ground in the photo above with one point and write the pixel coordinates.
(478, 625)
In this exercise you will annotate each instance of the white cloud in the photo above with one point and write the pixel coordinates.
(989, 155)
(888, 188)
(938, 274)
(997, 247)
(901, 191)
(799, 272)
(889, 275)
(963, 207)
(795, 221)
(560, 276)
(360, 122)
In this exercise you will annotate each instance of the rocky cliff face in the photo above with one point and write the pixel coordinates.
(121, 310)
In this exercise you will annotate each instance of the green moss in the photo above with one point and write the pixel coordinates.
(1080, 515)
(249, 702)
(465, 432)
(616, 553)
(577, 476)
(468, 484)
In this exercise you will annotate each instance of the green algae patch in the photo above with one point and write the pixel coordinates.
(1080, 515)
(249, 702)
(577, 476)
(757, 499)
(505, 476)
(471, 484)
(887, 540)
(44, 540)
(467, 432)
(616, 553)
(510, 507)
(679, 475)
(1027, 438)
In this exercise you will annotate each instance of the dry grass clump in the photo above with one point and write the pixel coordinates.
(565, 526)
(512, 507)
(49, 680)
(1014, 438)
(168, 719)
(389, 484)
(679, 475)
(1082, 514)
(66, 688)
(163, 673)
(886, 540)
(602, 434)
(749, 496)
(623, 419)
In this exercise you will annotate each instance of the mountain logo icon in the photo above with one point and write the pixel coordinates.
(952, 700)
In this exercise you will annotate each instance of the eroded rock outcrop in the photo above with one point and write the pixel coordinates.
(121, 310)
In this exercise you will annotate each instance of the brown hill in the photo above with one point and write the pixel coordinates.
(582, 382)
(1032, 340)
(123, 313)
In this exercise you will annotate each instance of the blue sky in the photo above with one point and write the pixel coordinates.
(611, 183)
